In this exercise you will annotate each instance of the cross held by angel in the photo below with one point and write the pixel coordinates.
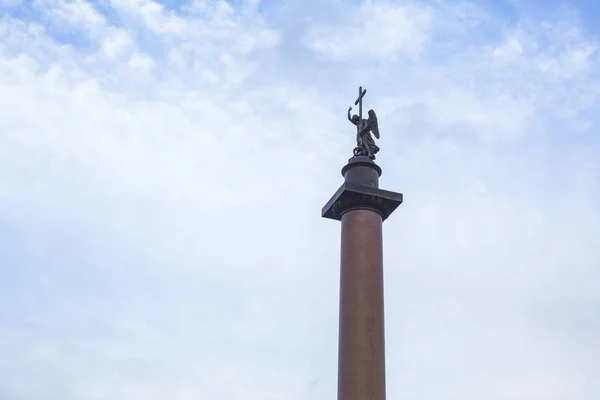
(365, 145)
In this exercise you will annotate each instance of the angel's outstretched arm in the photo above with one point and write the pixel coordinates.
(349, 117)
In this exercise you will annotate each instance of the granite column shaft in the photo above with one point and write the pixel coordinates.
(361, 357)
(361, 207)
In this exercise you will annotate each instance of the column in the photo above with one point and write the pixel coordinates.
(361, 207)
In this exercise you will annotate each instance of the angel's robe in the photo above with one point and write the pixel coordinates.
(365, 140)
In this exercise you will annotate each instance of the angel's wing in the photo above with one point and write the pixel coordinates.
(372, 122)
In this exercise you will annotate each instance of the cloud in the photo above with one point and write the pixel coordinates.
(77, 13)
(152, 15)
(375, 30)
(161, 183)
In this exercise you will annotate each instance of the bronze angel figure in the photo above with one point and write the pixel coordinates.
(365, 145)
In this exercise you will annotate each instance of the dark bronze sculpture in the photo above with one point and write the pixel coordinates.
(365, 145)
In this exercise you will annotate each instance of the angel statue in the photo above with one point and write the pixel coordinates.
(365, 145)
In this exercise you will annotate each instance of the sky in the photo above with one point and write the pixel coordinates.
(163, 165)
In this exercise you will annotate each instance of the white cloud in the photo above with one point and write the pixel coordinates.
(141, 62)
(152, 15)
(167, 181)
(509, 51)
(75, 13)
(375, 30)
(568, 58)
(115, 42)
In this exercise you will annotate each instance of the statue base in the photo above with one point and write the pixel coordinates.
(361, 152)
(361, 191)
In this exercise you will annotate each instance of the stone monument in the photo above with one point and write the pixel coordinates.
(361, 207)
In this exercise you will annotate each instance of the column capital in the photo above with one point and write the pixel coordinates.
(352, 196)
